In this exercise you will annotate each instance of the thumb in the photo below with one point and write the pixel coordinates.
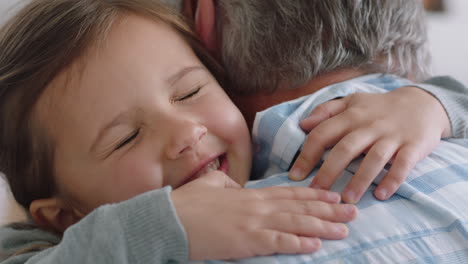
(219, 179)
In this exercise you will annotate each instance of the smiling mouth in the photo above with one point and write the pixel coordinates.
(220, 163)
(212, 166)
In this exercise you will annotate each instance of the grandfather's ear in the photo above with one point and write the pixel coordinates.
(53, 214)
(203, 13)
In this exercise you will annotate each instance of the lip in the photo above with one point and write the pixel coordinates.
(223, 166)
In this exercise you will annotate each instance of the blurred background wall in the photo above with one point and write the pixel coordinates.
(448, 39)
(5, 6)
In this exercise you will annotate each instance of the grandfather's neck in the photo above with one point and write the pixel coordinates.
(251, 104)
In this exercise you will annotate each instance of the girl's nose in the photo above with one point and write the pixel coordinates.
(184, 138)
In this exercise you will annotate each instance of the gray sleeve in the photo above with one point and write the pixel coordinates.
(144, 229)
(454, 98)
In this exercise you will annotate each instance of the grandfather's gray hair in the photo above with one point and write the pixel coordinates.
(267, 44)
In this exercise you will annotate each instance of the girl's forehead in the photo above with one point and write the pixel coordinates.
(132, 40)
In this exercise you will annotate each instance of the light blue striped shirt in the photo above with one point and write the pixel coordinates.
(426, 221)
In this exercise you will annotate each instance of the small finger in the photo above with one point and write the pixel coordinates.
(373, 163)
(268, 242)
(319, 209)
(350, 147)
(323, 112)
(295, 193)
(404, 162)
(304, 225)
(323, 136)
(306, 161)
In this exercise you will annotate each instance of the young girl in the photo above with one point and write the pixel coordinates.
(106, 106)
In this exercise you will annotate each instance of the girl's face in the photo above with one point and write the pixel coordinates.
(140, 113)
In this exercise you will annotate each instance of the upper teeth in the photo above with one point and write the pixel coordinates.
(212, 166)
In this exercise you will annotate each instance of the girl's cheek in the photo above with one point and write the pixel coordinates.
(134, 175)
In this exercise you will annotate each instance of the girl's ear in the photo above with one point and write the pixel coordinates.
(53, 214)
(203, 13)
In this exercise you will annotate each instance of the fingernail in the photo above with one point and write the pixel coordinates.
(382, 194)
(313, 244)
(295, 174)
(341, 229)
(350, 197)
(333, 197)
(349, 209)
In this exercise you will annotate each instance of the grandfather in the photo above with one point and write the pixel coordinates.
(275, 51)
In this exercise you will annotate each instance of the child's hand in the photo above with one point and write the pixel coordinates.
(403, 125)
(224, 222)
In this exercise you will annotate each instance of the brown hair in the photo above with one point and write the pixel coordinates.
(37, 44)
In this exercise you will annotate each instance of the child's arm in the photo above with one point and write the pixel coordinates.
(219, 221)
(453, 96)
(403, 125)
(228, 223)
(144, 229)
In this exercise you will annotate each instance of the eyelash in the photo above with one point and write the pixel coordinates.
(189, 95)
(135, 134)
(127, 140)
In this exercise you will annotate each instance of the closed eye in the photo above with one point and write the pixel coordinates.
(128, 140)
(189, 95)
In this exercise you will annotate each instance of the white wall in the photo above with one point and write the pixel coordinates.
(6, 7)
(448, 38)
